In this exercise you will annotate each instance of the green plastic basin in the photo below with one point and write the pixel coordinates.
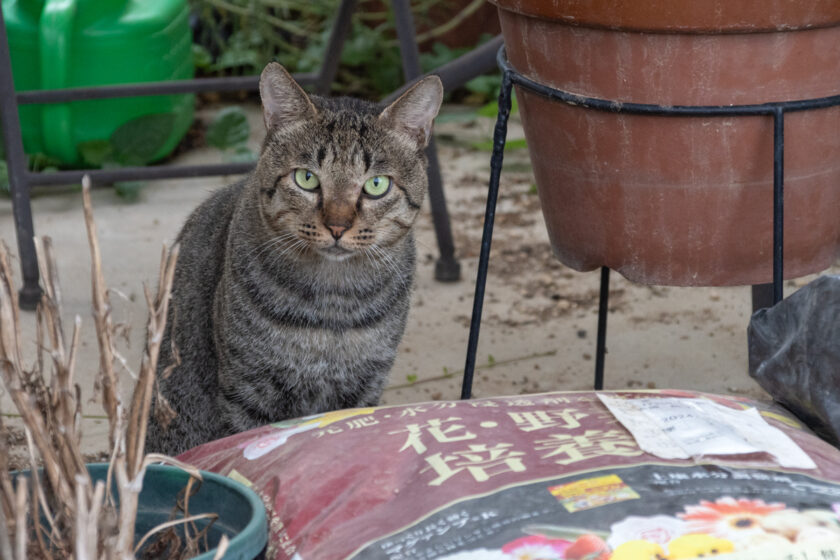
(241, 512)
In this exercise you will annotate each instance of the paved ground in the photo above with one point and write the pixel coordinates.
(540, 317)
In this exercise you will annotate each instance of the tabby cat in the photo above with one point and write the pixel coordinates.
(292, 286)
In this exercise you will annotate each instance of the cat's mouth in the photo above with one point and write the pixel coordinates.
(335, 252)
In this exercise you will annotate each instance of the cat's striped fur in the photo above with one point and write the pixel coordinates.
(288, 302)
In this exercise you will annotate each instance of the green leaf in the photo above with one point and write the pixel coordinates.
(487, 145)
(492, 108)
(439, 55)
(129, 190)
(229, 128)
(4, 178)
(411, 378)
(137, 141)
(95, 152)
(491, 360)
(242, 154)
(43, 162)
(487, 85)
(362, 46)
(201, 57)
(234, 58)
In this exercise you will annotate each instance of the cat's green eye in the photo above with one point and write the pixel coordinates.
(377, 186)
(306, 180)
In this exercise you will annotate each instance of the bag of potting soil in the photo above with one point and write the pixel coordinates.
(552, 476)
(794, 350)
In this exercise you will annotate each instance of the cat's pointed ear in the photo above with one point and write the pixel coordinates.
(283, 100)
(414, 111)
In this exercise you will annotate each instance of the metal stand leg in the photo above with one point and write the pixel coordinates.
(332, 58)
(762, 296)
(778, 203)
(489, 215)
(601, 344)
(447, 269)
(30, 292)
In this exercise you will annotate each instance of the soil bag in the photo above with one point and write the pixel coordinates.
(554, 476)
(794, 350)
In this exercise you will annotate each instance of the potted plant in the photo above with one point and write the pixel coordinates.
(681, 200)
(63, 508)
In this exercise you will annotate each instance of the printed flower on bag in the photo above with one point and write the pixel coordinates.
(698, 546)
(728, 518)
(536, 547)
(588, 547)
(657, 529)
(638, 550)
(803, 526)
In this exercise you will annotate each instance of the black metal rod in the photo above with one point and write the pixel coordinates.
(601, 342)
(138, 173)
(234, 83)
(410, 54)
(778, 203)
(615, 106)
(763, 296)
(496, 161)
(447, 269)
(332, 57)
(16, 162)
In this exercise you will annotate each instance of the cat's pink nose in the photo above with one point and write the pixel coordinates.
(337, 231)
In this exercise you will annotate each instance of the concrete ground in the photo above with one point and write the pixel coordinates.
(540, 317)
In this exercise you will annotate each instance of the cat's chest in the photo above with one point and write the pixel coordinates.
(310, 347)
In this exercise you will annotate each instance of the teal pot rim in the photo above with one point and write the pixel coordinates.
(247, 543)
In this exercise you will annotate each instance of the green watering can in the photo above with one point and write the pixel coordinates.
(58, 44)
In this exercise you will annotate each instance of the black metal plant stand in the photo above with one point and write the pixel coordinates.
(511, 77)
(453, 74)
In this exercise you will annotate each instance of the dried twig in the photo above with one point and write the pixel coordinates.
(222, 548)
(20, 519)
(82, 520)
(173, 523)
(139, 414)
(101, 317)
(14, 378)
(5, 541)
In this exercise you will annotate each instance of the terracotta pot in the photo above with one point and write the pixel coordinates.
(681, 200)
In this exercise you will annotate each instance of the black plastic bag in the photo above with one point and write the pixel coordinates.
(795, 354)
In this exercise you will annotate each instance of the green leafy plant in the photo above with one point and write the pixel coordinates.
(228, 129)
(137, 141)
(4, 177)
(134, 143)
(510, 145)
(229, 132)
(237, 37)
(4, 170)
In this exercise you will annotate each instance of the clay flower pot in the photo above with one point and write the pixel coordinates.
(681, 200)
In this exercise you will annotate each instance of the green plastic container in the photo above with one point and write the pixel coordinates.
(241, 513)
(58, 44)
